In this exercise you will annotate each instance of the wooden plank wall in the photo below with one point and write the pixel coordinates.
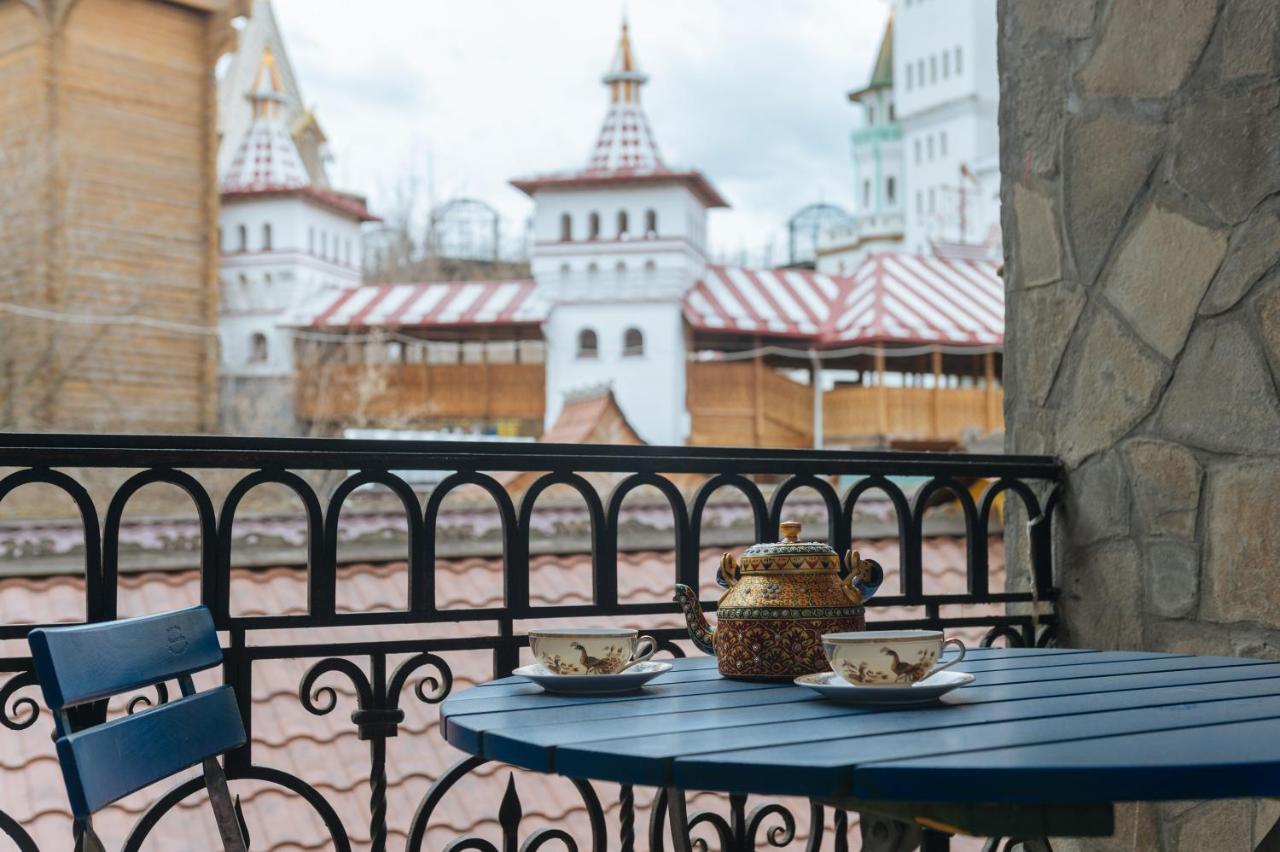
(129, 216)
(419, 395)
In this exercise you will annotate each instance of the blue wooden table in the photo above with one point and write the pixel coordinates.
(1041, 744)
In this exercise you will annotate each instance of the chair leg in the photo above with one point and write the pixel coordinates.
(224, 812)
(87, 839)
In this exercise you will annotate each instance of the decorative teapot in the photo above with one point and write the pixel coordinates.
(781, 599)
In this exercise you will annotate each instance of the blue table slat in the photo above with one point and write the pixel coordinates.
(1026, 710)
(815, 768)
(1237, 760)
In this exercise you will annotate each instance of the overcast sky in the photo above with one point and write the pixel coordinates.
(469, 93)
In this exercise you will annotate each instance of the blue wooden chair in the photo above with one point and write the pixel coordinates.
(88, 663)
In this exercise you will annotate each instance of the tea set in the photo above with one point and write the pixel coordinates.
(787, 615)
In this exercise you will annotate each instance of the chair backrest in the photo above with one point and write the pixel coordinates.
(85, 663)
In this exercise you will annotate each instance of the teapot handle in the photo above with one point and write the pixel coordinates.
(728, 574)
(863, 578)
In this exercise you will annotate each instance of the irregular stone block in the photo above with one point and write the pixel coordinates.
(1224, 824)
(1173, 578)
(1221, 397)
(1148, 47)
(1255, 248)
(1251, 29)
(1097, 501)
(1242, 539)
(1166, 487)
(1228, 150)
(1046, 318)
(1114, 387)
(1039, 258)
(1160, 274)
(1106, 161)
(1269, 319)
(1101, 601)
(1070, 20)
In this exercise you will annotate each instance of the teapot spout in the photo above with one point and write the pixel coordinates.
(702, 633)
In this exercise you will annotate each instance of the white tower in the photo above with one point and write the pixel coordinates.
(616, 246)
(946, 92)
(876, 148)
(282, 240)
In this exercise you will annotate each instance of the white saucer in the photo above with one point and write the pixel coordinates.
(598, 684)
(832, 686)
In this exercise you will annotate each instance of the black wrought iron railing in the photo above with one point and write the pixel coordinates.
(379, 669)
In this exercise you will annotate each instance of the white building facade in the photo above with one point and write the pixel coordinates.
(617, 245)
(283, 241)
(926, 157)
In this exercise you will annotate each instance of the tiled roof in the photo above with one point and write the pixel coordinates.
(325, 750)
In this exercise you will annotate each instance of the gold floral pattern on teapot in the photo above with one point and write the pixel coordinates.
(781, 598)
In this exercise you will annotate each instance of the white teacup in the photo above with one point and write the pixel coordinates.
(887, 657)
(590, 650)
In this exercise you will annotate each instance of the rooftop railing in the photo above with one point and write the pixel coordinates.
(379, 669)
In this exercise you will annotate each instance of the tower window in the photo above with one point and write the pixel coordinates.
(593, 226)
(917, 147)
(933, 69)
(593, 269)
(651, 223)
(946, 65)
(650, 267)
(866, 193)
(622, 224)
(911, 76)
(566, 228)
(588, 344)
(919, 202)
(957, 59)
(564, 270)
(266, 237)
(892, 113)
(932, 198)
(620, 267)
(920, 71)
(632, 343)
(242, 238)
(890, 190)
(311, 240)
(942, 144)
(929, 146)
(258, 348)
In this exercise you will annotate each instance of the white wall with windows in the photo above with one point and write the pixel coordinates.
(276, 252)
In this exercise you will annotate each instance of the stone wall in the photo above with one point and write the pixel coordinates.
(1140, 151)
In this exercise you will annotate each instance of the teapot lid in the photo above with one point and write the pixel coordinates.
(790, 545)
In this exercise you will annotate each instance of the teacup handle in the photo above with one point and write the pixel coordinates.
(650, 646)
(945, 666)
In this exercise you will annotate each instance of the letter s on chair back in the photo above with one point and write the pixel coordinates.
(85, 663)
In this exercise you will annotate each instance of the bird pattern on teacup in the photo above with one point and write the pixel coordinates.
(898, 671)
(611, 662)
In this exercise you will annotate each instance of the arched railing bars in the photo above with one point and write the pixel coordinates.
(759, 512)
(975, 542)
(901, 511)
(412, 515)
(983, 527)
(837, 528)
(595, 513)
(606, 577)
(93, 586)
(422, 586)
(147, 822)
(320, 568)
(208, 534)
(22, 841)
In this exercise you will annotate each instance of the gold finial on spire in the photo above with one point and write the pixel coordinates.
(267, 92)
(625, 77)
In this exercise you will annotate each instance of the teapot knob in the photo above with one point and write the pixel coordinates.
(790, 531)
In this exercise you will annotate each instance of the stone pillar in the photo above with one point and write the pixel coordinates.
(1140, 154)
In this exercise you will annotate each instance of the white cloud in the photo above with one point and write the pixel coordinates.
(471, 94)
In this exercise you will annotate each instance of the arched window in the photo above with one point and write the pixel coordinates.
(266, 280)
(564, 270)
(593, 226)
(622, 224)
(651, 223)
(588, 344)
(890, 190)
(650, 267)
(593, 269)
(866, 194)
(566, 228)
(324, 245)
(242, 238)
(266, 237)
(258, 348)
(311, 240)
(620, 267)
(632, 343)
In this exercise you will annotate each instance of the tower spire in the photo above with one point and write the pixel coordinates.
(625, 142)
(267, 157)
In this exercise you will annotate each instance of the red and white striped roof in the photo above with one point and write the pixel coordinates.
(892, 298)
(790, 302)
(911, 298)
(457, 303)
